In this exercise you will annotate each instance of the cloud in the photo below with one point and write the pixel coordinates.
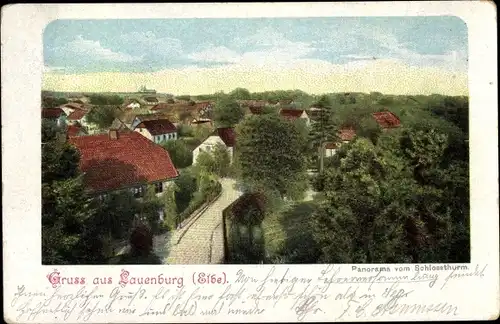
(148, 42)
(93, 50)
(266, 47)
(216, 54)
(310, 75)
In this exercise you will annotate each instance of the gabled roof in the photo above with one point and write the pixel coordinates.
(77, 115)
(227, 135)
(75, 106)
(158, 126)
(386, 119)
(347, 134)
(203, 104)
(331, 145)
(150, 99)
(256, 110)
(143, 117)
(130, 160)
(130, 101)
(291, 114)
(51, 113)
(162, 106)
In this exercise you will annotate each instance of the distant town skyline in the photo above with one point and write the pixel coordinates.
(397, 55)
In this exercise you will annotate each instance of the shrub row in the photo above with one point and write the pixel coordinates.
(199, 199)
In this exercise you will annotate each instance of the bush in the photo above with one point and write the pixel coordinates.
(199, 199)
(185, 130)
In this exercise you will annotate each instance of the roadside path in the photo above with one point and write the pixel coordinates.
(202, 242)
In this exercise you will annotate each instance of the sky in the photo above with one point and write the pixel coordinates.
(398, 55)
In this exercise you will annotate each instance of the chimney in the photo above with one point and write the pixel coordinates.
(113, 134)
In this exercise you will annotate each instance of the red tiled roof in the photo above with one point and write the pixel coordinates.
(129, 160)
(52, 112)
(161, 106)
(291, 114)
(347, 134)
(256, 110)
(227, 135)
(77, 115)
(158, 126)
(203, 104)
(331, 145)
(386, 119)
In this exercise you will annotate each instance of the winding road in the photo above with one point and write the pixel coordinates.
(202, 240)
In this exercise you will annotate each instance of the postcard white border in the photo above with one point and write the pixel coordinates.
(22, 66)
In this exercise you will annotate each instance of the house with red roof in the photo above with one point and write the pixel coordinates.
(157, 130)
(345, 135)
(225, 136)
(123, 161)
(386, 120)
(74, 106)
(131, 104)
(295, 114)
(56, 115)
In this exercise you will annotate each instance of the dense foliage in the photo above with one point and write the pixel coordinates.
(99, 99)
(102, 116)
(270, 155)
(216, 162)
(404, 199)
(227, 112)
(51, 102)
(180, 154)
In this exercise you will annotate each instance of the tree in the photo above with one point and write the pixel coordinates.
(97, 99)
(323, 130)
(183, 97)
(170, 206)
(240, 94)
(65, 205)
(180, 154)
(102, 116)
(270, 155)
(184, 130)
(51, 102)
(222, 160)
(187, 186)
(393, 202)
(217, 162)
(227, 112)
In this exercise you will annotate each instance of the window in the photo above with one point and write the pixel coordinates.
(138, 192)
(159, 187)
(164, 137)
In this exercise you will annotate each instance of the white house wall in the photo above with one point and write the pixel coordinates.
(156, 138)
(144, 132)
(208, 146)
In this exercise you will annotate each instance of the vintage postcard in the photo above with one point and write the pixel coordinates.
(254, 162)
